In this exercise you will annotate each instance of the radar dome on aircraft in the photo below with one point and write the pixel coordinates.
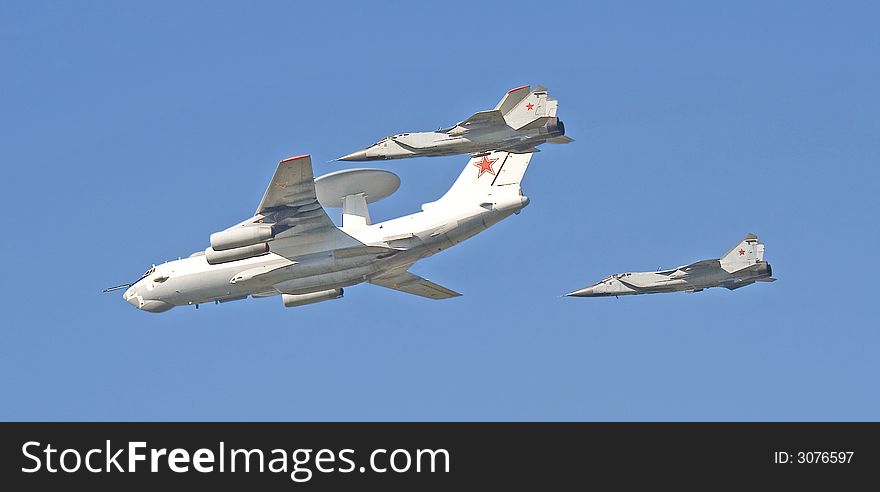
(352, 189)
(373, 184)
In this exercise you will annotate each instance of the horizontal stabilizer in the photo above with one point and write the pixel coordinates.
(415, 285)
(560, 140)
(737, 285)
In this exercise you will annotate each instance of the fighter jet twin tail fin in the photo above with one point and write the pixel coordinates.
(518, 109)
(745, 254)
(522, 107)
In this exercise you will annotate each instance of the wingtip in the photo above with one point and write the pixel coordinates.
(295, 158)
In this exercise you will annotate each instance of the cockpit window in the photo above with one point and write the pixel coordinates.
(147, 273)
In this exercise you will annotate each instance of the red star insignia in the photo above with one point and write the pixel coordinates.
(485, 166)
(742, 252)
(529, 106)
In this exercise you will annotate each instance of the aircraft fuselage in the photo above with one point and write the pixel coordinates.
(439, 226)
(442, 143)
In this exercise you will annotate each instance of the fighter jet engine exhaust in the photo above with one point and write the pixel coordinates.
(294, 300)
(555, 128)
(763, 269)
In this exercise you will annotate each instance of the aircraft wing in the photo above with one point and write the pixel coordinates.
(492, 117)
(700, 266)
(291, 200)
(293, 185)
(291, 205)
(413, 284)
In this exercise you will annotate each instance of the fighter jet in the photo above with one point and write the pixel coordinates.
(743, 265)
(290, 247)
(521, 121)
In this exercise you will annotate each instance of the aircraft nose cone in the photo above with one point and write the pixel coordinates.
(136, 299)
(585, 292)
(131, 298)
(358, 155)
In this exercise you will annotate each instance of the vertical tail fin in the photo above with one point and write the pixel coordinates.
(512, 98)
(534, 105)
(495, 174)
(748, 252)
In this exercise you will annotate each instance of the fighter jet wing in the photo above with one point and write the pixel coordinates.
(492, 117)
(701, 265)
(413, 284)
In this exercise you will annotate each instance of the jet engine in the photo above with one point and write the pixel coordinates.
(294, 300)
(555, 128)
(215, 257)
(239, 236)
(763, 269)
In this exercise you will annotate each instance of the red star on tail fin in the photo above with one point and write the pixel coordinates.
(485, 166)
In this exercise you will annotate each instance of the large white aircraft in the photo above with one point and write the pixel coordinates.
(291, 248)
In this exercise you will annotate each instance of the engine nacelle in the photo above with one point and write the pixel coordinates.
(555, 128)
(294, 300)
(215, 257)
(763, 269)
(241, 236)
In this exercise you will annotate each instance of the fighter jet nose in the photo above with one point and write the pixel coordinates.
(585, 292)
(358, 155)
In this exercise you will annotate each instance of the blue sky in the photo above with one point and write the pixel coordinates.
(131, 132)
